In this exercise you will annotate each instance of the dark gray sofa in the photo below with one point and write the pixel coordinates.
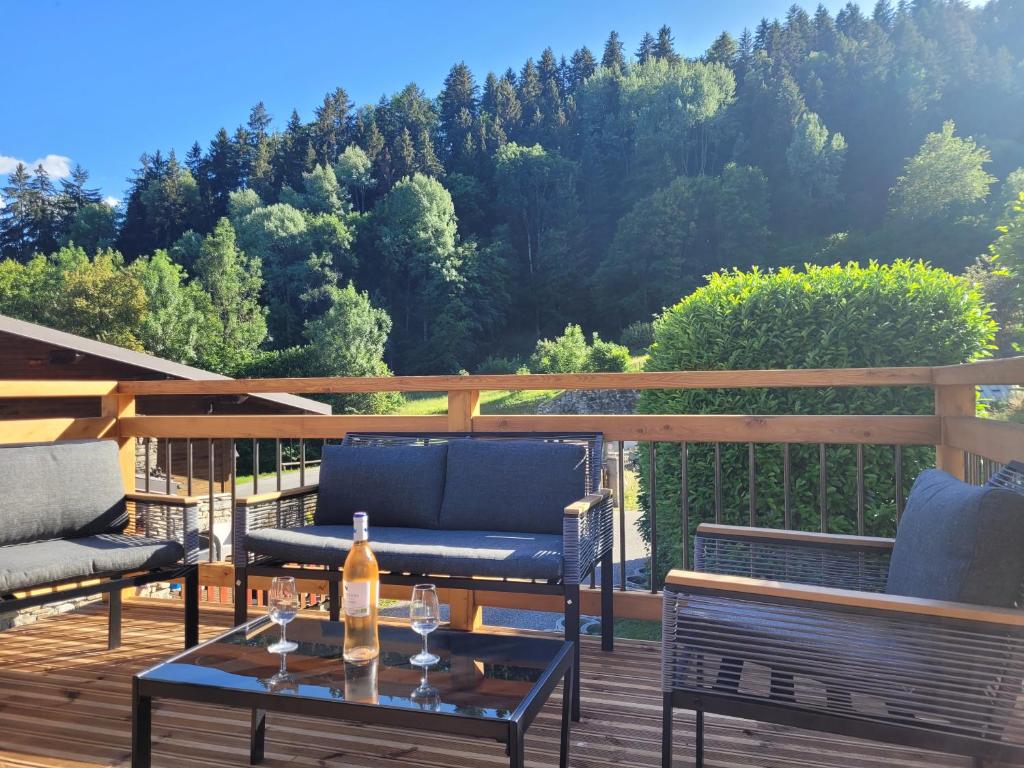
(488, 512)
(65, 517)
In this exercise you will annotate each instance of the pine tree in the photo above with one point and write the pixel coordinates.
(194, 159)
(552, 106)
(15, 215)
(612, 57)
(44, 212)
(884, 15)
(330, 128)
(290, 160)
(646, 50)
(824, 30)
(761, 34)
(403, 155)
(458, 109)
(664, 48)
(529, 103)
(723, 51)
(426, 159)
(259, 121)
(581, 66)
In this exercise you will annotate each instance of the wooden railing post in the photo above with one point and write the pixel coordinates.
(116, 406)
(463, 407)
(952, 400)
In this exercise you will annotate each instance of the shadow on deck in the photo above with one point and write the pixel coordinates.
(65, 701)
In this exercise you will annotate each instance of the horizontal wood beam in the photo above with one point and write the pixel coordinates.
(825, 377)
(304, 426)
(28, 388)
(13, 431)
(628, 605)
(1001, 441)
(1006, 370)
(871, 430)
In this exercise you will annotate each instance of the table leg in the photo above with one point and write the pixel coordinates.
(516, 756)
(257, 736)
(567, 683)
(142, 721)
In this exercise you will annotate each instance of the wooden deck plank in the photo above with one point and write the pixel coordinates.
(64, 701)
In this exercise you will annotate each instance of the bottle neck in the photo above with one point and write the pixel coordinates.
(360, 529)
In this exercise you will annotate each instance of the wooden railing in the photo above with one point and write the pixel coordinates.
(957, 433)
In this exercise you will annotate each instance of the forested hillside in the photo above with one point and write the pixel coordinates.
(591, 187)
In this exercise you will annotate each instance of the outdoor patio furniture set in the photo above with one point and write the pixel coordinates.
(916, 640)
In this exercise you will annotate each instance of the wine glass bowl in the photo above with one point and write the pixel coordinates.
(424, 617)
(283, 606)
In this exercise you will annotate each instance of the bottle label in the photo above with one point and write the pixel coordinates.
(357, 599)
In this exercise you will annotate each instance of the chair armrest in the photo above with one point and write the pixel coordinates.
(587, 503)
(165, 516)
(829, 560)
(163, 498)
(289, 508)
(586, 534)
(826, 597)
(261, 498)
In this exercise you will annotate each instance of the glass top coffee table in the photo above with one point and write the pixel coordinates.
(485, 685)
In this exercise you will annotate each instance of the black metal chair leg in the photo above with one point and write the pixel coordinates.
(334, 600)
(191, 587)
(607, 604)
(114, 620)
(572, 634)
(699, 740)
(241, 596)
(666, 731)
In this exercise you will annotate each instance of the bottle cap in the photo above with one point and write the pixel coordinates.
(360, 525)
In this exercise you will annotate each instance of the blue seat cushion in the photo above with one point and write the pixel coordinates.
(511, 485)
(418, 550)
(44, 562)
(396, 485)
(959, 542)
(60, 490)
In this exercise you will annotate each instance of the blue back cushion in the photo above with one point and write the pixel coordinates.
(511, 485)
(397, 486)
(959, 542)
(60, 491)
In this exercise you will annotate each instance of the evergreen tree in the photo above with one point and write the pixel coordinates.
(581, 66)
(723, 51)
(646, 50)
(612, 57)
(259, 122)
(529, 101)
(290, 160)
(330, 128)
(403, 155)
(457, 111)
(16, 225)
(664, 48)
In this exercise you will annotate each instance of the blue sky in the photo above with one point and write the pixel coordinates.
(101, 81)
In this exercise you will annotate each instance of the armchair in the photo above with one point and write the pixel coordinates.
(915, 641)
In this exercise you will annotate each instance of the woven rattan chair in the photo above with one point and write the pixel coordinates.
(797, 629)
(286, 532)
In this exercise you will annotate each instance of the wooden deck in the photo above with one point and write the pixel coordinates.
(64, 701)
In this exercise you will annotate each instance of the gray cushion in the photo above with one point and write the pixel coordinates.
(511, 485)
(60, 490)
(44, 562)
(959, 542)
(417, 550)
(396, 485)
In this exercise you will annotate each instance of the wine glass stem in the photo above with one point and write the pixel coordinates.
(284, 632)
(425, 651)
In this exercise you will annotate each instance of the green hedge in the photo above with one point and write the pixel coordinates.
(848, 316)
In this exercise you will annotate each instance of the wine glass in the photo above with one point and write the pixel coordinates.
(283, 605)
(424, 615)
(426, 696)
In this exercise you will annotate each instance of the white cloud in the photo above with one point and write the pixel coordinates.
(113, 202)
(58, 166)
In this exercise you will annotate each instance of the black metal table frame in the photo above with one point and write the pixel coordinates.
(510, 732)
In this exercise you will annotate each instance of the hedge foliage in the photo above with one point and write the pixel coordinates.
(904, 313)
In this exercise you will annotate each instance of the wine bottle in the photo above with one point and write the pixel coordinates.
(361, 682)
(361, 588)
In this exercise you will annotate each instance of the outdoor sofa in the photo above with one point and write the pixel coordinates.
(480, 511)
(65, 518)
(917, 641)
